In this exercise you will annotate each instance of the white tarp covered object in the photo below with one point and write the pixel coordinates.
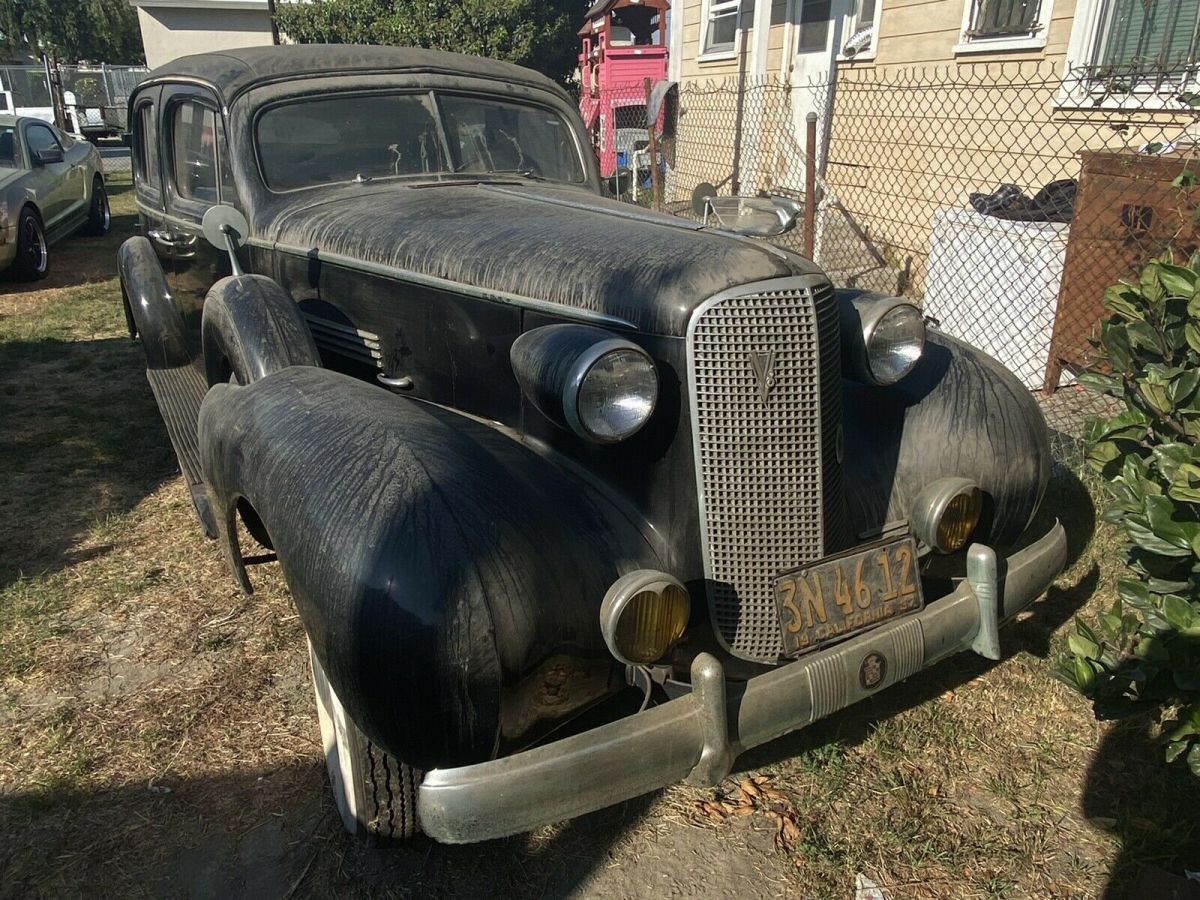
(994, 283)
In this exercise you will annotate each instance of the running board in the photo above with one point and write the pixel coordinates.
(179, 392)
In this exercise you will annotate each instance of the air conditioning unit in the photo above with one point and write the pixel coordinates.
(994, 283)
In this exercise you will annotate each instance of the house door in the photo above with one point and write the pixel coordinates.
(817, 35)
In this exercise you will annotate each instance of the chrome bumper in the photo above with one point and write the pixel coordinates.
(698, 736)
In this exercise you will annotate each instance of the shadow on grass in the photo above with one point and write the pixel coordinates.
(1149, 807)
(82, 442)
(271, 833)
(80, 259)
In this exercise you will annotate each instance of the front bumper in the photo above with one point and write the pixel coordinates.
(697, 737)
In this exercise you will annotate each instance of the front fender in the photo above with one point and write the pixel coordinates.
(959, 412)
(437, 564)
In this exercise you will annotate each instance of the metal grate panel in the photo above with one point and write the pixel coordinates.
(768, 470)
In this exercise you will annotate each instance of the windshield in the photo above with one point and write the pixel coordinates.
(372, 136)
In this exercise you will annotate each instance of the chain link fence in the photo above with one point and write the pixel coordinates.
(1002, 198)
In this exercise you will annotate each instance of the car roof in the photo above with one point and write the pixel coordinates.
(232, 72)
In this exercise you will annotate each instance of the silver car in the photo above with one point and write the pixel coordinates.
(51, 186)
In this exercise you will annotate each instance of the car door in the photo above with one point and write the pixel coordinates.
(146, 152)
(76, 155)
(50, 182)
(195, 179)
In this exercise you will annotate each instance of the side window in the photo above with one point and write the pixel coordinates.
(194, 151)
(39, 138)
(146, 149)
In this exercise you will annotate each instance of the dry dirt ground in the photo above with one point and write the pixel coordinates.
(158, 736)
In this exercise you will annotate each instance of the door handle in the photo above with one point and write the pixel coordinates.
(396, 382)
(172, 239)
(166, 238)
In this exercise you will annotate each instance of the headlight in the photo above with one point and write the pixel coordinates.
(601, 387)
(947, 512)
(882, 337)
(644, 615)
(615, 395)
(895, 344)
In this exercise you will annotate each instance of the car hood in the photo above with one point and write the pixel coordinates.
(564, 246)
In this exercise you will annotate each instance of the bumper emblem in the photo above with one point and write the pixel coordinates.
(764, 366)
(872, 671)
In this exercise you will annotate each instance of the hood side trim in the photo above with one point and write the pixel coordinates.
(445, 284)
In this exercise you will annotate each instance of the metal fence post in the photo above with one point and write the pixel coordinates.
(652, 125)
(810, 183)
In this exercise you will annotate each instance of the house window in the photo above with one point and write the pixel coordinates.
(1148, 35)
(990, 25)
(814, 25)
(721, 26)
(1003, 18)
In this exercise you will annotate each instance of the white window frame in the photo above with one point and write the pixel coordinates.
(1034, 40)
(709, 9)
(853, 26)
(1085, 40)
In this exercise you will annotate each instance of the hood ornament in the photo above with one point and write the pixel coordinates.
(764, 370)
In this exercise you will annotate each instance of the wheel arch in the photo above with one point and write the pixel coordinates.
(150, 307)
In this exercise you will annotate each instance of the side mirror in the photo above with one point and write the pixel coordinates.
(226, 229)
(47, 156)
(753, 216)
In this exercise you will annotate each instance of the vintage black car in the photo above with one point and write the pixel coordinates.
(523, 451)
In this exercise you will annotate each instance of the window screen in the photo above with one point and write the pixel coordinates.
(1150, 34)
(1004, 18)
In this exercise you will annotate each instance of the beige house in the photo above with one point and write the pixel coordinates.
(173, 28)
(804, 39)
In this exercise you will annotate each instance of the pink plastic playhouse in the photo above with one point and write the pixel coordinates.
(624, 43)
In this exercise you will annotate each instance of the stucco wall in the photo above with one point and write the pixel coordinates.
(172, 31)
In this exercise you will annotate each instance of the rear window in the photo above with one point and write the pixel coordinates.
(8, 147)
(342, 138)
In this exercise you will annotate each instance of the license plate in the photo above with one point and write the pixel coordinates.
(833, 598)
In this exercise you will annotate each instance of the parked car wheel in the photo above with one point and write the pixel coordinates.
(33, 253)
(99, 216)
(375, 793)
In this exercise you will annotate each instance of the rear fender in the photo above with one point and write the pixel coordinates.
(149, 310)
(437, 564)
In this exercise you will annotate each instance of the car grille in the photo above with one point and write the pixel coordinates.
(768, 471)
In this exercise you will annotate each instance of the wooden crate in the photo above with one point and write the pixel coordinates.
(1126, 211)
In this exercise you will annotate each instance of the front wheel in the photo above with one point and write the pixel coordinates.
(375, 793)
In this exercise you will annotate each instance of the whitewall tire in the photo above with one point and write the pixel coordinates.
(375, 793)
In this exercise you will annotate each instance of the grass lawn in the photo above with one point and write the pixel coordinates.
(159, 736)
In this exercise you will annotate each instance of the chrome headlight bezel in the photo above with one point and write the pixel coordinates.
(557, 366)
(667, 592)
(585, 367)
(862, 315)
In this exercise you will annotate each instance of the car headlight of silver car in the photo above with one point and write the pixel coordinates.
(600, 386)
(882, 337)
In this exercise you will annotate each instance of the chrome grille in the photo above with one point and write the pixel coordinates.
(768, 471)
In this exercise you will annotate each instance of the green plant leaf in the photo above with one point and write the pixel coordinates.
(1178, 281)
(1178, 612)
(1193, 759)
(1184, 179)
(1175, 749)
(1082, 646)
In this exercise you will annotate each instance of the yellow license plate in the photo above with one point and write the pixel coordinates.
(840, 595)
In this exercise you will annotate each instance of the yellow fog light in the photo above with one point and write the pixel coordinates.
(644, 615)
(947, 512)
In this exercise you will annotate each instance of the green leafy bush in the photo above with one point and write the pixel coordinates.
(1144, 652)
